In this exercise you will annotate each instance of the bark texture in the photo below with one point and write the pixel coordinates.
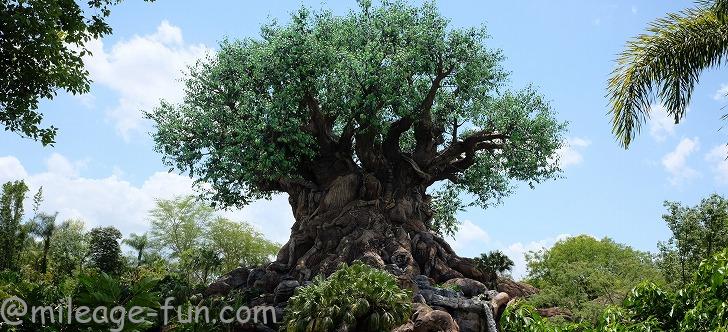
(353, 219)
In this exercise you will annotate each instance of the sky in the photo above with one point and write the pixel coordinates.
(104, 170)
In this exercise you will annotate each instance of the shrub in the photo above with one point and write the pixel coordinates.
(359, 297)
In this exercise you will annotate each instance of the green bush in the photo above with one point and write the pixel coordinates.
(700, 306)
(359, 297)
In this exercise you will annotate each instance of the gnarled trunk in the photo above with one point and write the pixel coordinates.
(355, 219)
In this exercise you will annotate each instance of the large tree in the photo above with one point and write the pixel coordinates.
(666, 63)
(358, 118)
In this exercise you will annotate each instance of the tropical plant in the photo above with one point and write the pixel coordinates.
(666, 62)
(354, 298)
(494, 262)
(139, 243)
(238, 244)
(69, 248)
(44, 226)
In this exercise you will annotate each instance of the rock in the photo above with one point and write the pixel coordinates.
(217, 288)
(499, 303)
(469, 287)
(255, 275)
(285, 290)
(470, 321)
(515, 289)
(423, 281)
(394, 269)
(278, 267)
(435, 321)
(268, 282)
(418, 299)
(372, 259)
(236, 278)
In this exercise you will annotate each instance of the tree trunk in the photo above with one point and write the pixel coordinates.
(354, 219)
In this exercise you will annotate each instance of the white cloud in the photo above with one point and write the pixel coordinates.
(116, 202)
(570, 153)
(717, 156)
(11, 169)
(662, 125)
(675, 162)
(722, 93)
(634, 10)
(516, 252)
(469, 234)
(142, 70)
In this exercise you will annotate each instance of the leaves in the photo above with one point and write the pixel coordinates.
(359, 297)
(666, 63)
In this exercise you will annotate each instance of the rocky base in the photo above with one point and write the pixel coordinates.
(459, 304)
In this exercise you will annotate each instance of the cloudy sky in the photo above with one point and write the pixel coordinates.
(103, 168)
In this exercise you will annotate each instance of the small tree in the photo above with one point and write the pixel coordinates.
(494, 262)
(697, 233)
(12, 233)
(104, 249)
(69, 248)
(178, 224)
(44, 226)
(139, 243)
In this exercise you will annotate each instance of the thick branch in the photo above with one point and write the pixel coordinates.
(424, 134)
(451, 160)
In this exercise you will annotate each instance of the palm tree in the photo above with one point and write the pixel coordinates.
(494, 262)
(666, 63)
(138, 243)
(44, 226)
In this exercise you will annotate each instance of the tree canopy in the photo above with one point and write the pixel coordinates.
(389, 90)
(42, 43)
(585, 275)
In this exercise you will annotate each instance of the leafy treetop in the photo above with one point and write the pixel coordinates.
(389, 90)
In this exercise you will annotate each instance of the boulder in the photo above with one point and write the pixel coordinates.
(515, 289)
(285, 290)
(469, 287)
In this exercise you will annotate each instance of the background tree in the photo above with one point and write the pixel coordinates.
(12, 234)
(41, 50)
(697, 233)
(177, 224)
(139, 243)
(666, 62)
(495, 262)
(69, 248)
(104, 249)
(44, 226)
(239, 244)
(585, 275)
(355, 117)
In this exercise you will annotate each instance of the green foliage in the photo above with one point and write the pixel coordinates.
(178, 224)
(140, 243)
(239, 244)
(585, 275)
(666, 62)
(697, 233)
(700, 306)
(12, 234)
(44, 226)
(68, 249)
(383, 89)
(104, 250)
(359, 297)
(53, 35)
(494, 262)
(104, 291)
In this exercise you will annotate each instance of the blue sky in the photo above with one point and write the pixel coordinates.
(103, 168)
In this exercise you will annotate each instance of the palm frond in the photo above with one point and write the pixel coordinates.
(665, 64)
